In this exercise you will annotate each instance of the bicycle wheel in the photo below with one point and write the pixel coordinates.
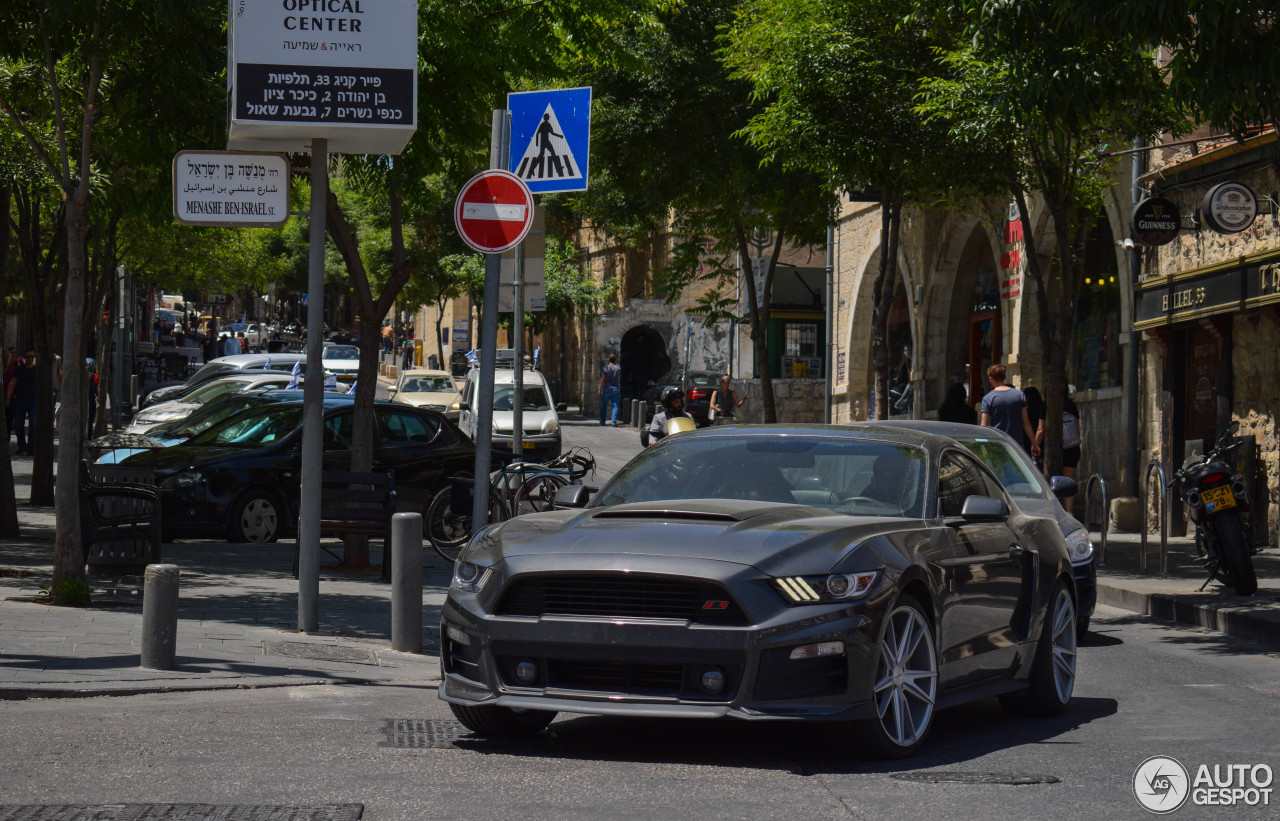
(538, 493)
(449, 530)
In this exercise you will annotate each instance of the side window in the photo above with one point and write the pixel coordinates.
(399, 428)
(958, 479)
(337, 432)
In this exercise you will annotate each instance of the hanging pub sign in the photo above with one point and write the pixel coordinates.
(1229, 207)
(1155, 221)
(345, 70)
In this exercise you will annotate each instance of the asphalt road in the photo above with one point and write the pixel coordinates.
(1146, 689)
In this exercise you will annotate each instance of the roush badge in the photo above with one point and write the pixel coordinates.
(1155, 221)
(1229, 207)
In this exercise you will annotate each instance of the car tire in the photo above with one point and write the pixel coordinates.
(1053, 671)
(257, 517)
(900, 702)
(492, 720)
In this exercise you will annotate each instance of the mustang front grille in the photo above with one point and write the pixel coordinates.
(622, 596)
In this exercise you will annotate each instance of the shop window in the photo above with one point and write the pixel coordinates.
(1094, 360)
(800, 339)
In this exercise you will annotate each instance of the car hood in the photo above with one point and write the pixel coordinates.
(773, 538)
(420, 398)
(532, 420)
(173, 409)
(181, 457)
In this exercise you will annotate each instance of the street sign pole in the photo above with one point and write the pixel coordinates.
(499, 136)
(517, 401)
(313, 402)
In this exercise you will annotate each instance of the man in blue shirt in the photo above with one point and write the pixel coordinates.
(1006, 408)
(610, 388)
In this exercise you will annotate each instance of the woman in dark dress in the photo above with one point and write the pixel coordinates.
(956, 408)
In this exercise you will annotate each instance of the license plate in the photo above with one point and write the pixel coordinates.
(525, 445)
(1219, 498)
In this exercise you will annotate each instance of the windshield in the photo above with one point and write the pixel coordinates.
(857, 477)
(1006, 461)
(213, 390)
(535, 398)
(208, 371)
(253, 429)
(208, 416)
(342, 352)
(427, 384)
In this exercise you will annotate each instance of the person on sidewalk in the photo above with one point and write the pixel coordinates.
(724, 402)
(1005, 407)
(24, 403)
(610, 388)
(956, 408)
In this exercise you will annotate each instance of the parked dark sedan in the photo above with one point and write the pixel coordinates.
(241, 476)
(1032, 493)
(856, 574)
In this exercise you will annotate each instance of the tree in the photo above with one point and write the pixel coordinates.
(1025, 85)
(667, 146)
(66, 68)
(838, 81)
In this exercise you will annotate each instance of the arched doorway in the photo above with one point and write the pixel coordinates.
(975, 338)
(643, 359)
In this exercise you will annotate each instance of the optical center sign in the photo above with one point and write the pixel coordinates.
(345, 70)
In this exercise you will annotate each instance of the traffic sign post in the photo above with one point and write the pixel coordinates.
(551, 138)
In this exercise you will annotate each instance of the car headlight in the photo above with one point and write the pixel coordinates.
(834, 587)
(469, 577)
(457, 405)
(187, 478)
(1079, 547)
(551, 425)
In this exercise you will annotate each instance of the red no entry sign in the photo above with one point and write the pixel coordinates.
(494, 211)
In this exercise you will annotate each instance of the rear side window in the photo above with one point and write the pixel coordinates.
(400, 428)
(958, 479)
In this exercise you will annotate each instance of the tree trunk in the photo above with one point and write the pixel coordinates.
(8, 497)
(882, 302)
(68, 557)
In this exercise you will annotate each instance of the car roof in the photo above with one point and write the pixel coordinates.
(244, 360)
(856, 430)
(426, 372)
(507, 376)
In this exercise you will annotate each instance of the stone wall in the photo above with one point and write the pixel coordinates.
(797, 401)
(1255, 361)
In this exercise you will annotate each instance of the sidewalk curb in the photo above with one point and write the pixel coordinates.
(142, 688)
(1242, 621)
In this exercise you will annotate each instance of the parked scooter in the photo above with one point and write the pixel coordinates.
(1215, 496)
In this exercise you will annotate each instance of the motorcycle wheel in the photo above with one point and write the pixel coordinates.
(1235, 567)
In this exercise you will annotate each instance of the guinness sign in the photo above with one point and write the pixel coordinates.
(1155, 221)
(1229, 208)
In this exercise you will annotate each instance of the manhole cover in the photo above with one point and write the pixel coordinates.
(953, 777)
(452, 735)
(179, 812)
(319, 652)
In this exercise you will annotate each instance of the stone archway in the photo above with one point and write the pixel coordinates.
(643, 358)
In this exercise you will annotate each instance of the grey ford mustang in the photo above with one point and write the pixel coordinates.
(857, 575)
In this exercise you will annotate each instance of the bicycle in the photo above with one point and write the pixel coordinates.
(515, 489)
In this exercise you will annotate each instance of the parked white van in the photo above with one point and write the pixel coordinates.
(540, 421)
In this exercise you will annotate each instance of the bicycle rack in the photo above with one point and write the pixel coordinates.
(1096, 479)
(1155, 465)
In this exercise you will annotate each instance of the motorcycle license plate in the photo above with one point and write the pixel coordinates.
(1220, 498)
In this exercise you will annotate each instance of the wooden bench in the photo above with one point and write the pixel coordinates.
(355, 504)
(119, 520)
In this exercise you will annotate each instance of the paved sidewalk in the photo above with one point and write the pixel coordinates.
(1177, 596)
(237, 618)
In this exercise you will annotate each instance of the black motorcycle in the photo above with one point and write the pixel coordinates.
(1215, 496)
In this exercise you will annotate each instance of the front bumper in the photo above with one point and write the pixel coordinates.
(654, 667)
(1086, 576)
(537, 447)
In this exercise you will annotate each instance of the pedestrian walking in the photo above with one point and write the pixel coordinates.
(610, 388)
(1035, 415)
(956, 407)
(24, 402)
(231, 345)
(179, 335)
(1005, 408)
(724, 403)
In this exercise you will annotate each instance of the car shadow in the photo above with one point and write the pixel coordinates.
(959, 735)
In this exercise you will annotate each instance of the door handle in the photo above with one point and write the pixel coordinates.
(1017, 551)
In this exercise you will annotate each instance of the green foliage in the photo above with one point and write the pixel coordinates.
(67, 592)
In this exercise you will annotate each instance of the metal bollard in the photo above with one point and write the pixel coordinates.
(406, 582)
(160, 616)
(637, 412)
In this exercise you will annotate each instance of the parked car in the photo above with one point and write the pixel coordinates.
(240, 477)
(223, 364)
(540, 420)
(342, 361)
(1032, 493)
(433, 390)
(165, 413)
(856, 574)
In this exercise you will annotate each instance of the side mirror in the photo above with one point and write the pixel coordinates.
(572, 496)
(391, 391)
(984, 509)
(562, 407)
(463, 406)
(1064, 487)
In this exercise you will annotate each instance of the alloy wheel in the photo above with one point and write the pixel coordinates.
(906, 677)
(1064, 645)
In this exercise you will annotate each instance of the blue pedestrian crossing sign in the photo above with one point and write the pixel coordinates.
(551, 138)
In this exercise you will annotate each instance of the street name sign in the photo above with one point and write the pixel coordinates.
(533, 282)
(344, 70)
(230, 188)
(551, 138)
(494, 211)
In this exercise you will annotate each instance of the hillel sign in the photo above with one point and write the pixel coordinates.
(344, 70)
(1155, 221)
(1229, 207)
